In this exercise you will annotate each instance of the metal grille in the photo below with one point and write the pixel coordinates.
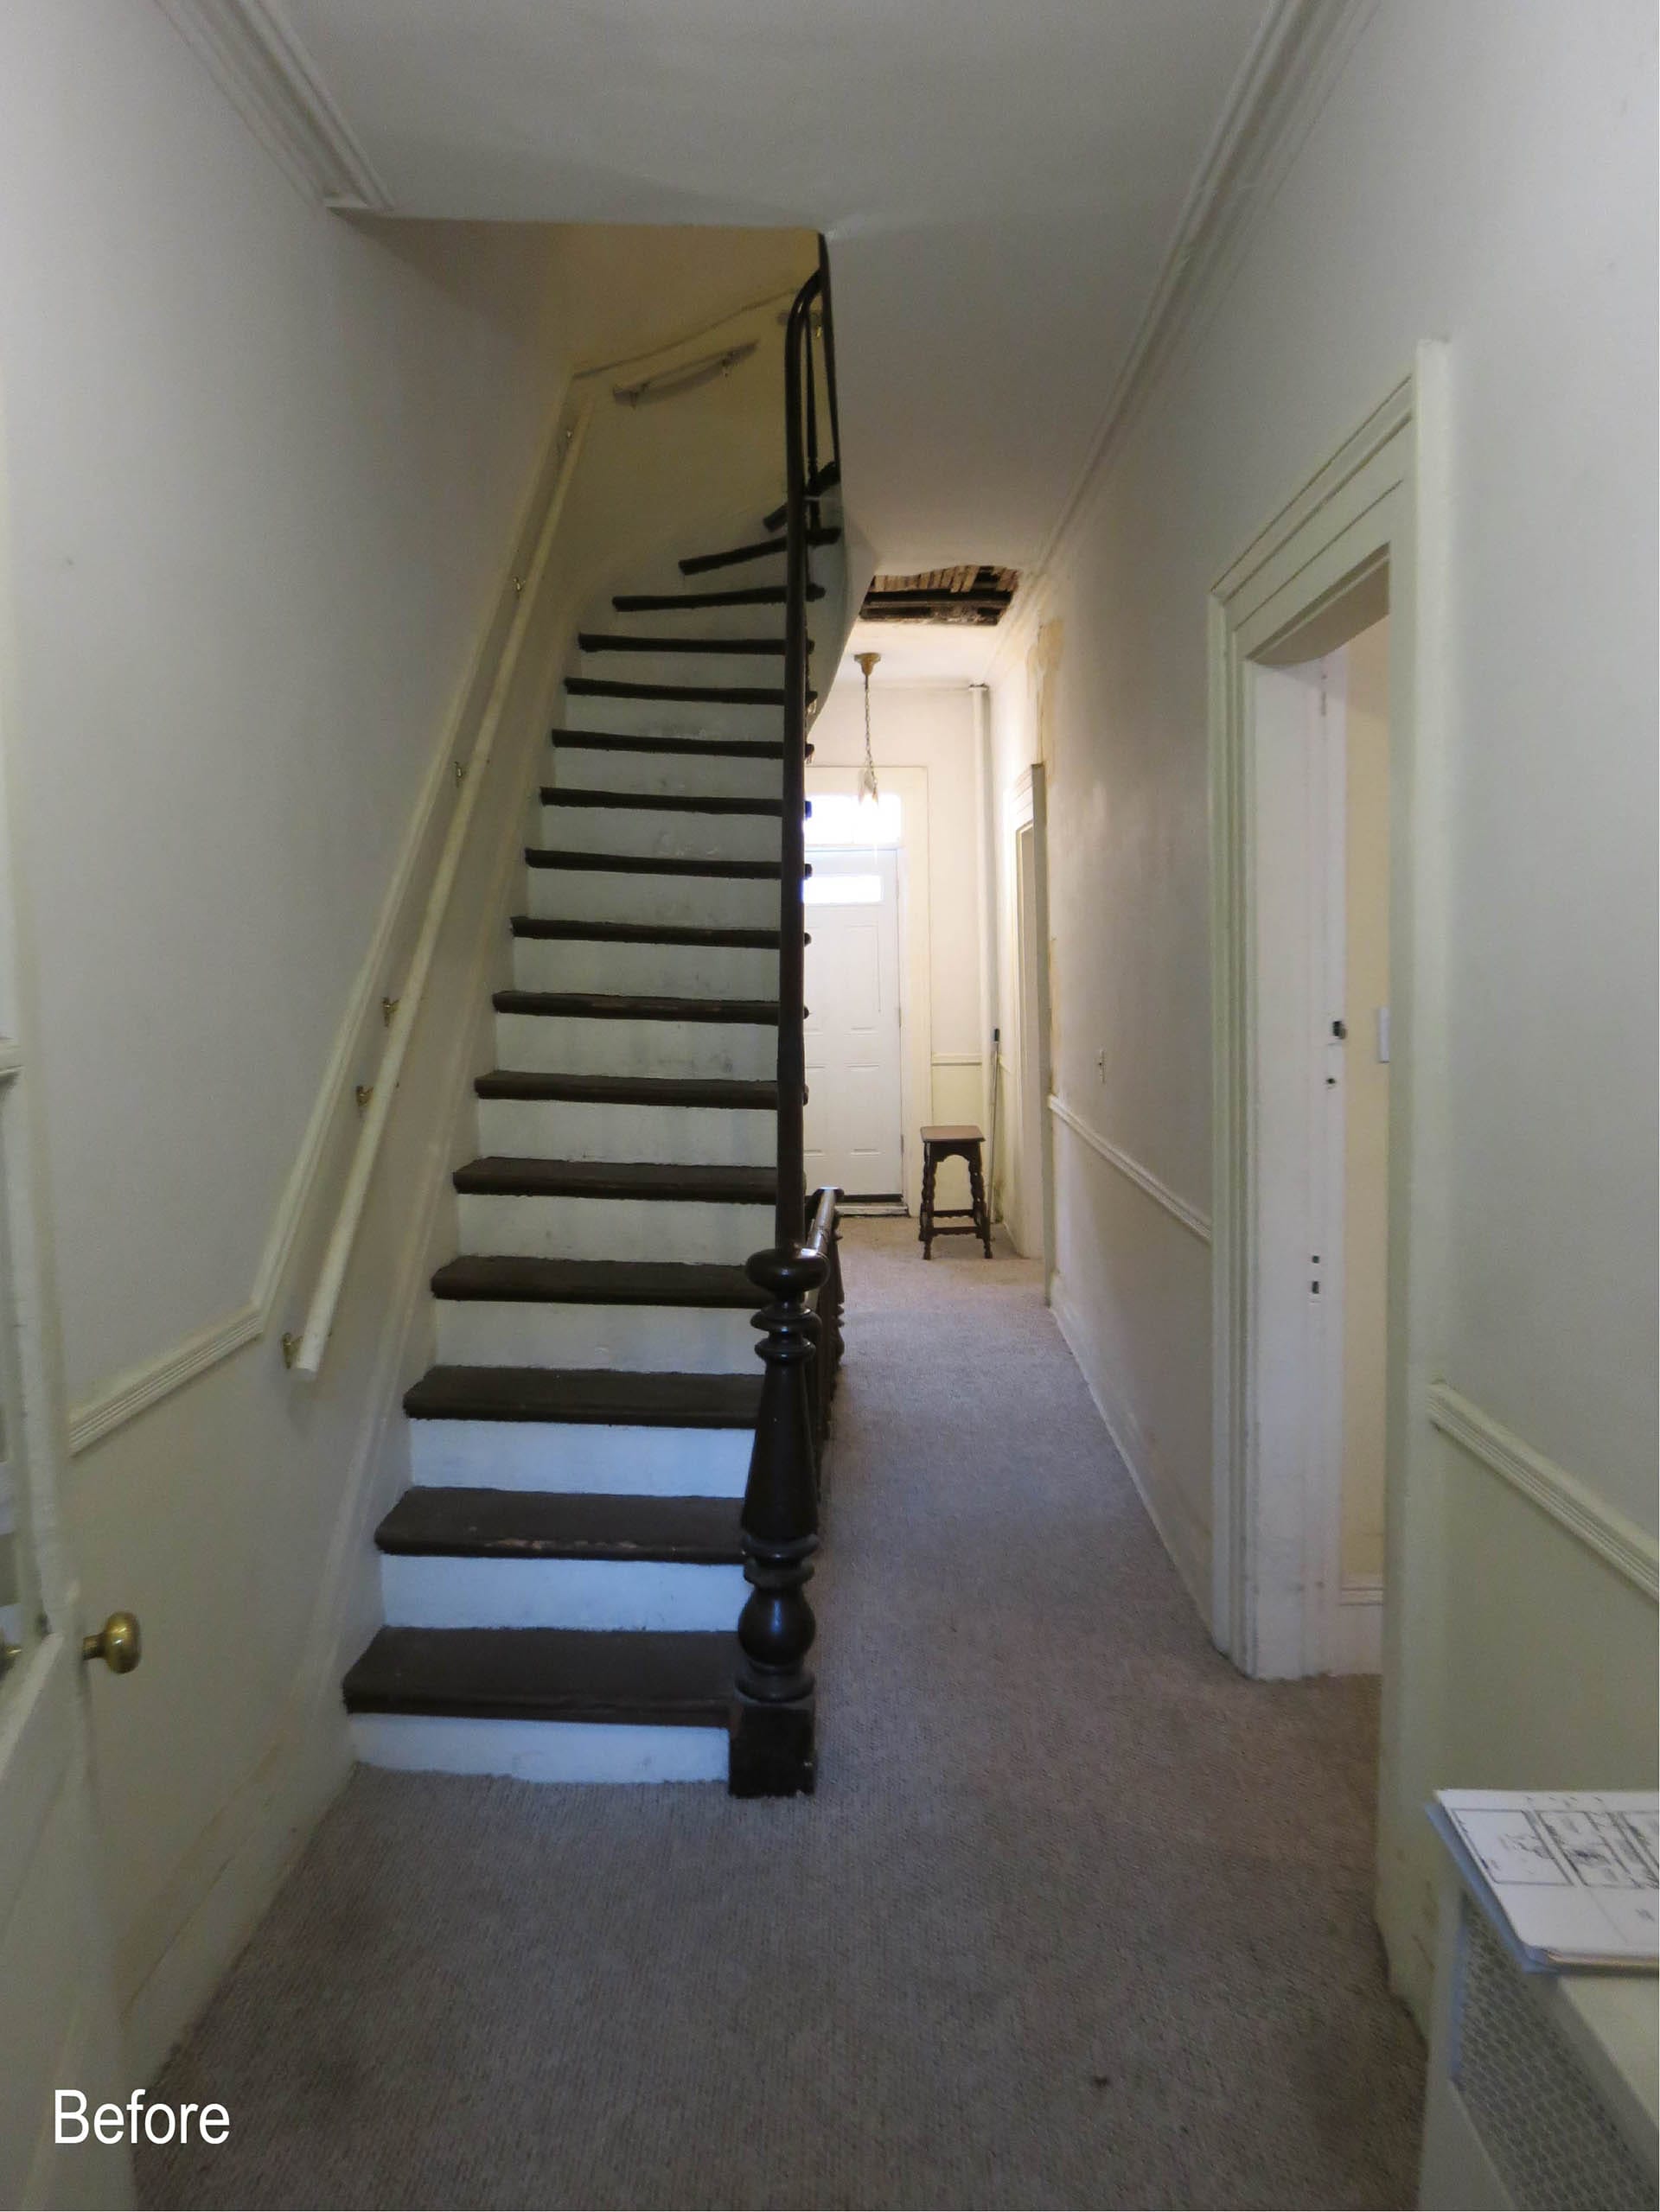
(1538, 2116)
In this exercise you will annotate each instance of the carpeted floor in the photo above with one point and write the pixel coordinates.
(1078, 1916)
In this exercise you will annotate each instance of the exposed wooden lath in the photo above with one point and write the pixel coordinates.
(966, 594)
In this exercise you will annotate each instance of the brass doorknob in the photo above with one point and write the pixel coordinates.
(117, 1643)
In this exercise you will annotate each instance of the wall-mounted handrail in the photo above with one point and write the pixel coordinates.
(313, 1341)
(686, 376)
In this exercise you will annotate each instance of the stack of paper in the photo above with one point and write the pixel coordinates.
(1567, 1877)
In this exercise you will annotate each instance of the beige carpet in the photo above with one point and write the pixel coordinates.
(1078, 1916)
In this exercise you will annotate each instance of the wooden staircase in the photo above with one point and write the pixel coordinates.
(562, 1582)
(599, 1570)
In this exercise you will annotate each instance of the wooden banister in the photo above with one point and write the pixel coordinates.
(772, 1752)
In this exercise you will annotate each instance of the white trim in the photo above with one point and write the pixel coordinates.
(129, 1393)
(1144, 1179)
(1281, 86)
(273, 84)
(1602, 1528)
(1355, 1635)
(959, 1059)
(1383, 496)
(1345, 515)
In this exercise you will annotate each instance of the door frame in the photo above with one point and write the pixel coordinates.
(1382, 499)
(54, 1940)
(1294, 1333)
(1028, 809)
(910, 786)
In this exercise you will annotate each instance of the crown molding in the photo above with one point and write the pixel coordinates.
(1281, 87)
(268, 77)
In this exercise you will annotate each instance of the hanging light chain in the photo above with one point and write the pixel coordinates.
(867, 787)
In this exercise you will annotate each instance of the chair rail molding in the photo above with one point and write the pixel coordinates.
(128, 1394)
(1572, 1503)
(270, 80)
(1189, 1216)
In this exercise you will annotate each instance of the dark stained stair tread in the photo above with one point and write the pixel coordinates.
(617, 642)
(645, 741)
(607, 687)
(659, 802)
(479, 1524)
(663, 602)
(503, 1174)
(595, 1397)
(722, 1091)
(824, 480)
(637, 863)
(644, 933)
(520, 1279)
(701, 564)
(661, 1678)
(633, 1006)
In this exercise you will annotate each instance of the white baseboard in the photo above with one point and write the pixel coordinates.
(1124, 1434)
(231, 1875)
(1357, 1628)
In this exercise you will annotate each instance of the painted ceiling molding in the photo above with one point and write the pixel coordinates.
(1280, 88)
(269, 78)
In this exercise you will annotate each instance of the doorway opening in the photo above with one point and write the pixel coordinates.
(1027, 1183)
(853, 1135)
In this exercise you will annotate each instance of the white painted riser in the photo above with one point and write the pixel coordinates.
(661, 836)
(724, 670)
(691, 775)
(705, 901)
(562, 1129)
(575, 1044)
(642, 1339)
(539, 1750)
(657, 971)
(442, 1593)
(583, 1458)
(676, 717)
(613, 1228)
(700, 622)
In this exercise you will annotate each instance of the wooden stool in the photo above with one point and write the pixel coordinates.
(953, 1140)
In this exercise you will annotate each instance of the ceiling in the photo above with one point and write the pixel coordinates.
(1001, 182)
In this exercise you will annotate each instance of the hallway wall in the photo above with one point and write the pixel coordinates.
(1533, 122)
(269, 476)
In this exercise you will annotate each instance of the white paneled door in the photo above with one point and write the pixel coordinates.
(853, 1110)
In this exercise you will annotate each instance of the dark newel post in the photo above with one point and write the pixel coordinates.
(772, 1723)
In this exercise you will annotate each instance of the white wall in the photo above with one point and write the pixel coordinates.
(1483, 174)
(931, 727)
(268, 476)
